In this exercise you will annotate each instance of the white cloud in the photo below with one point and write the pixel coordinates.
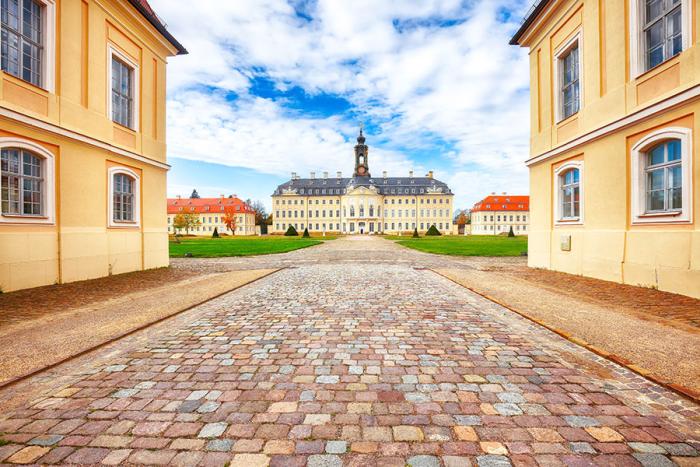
(463, 84)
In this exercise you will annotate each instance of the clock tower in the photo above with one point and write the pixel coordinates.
(361, 163)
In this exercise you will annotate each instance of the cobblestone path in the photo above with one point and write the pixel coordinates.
(353, 364)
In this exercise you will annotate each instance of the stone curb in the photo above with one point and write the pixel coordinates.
(17, 379)
(677, 388)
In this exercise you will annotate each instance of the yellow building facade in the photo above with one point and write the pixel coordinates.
(362, 204)
(615, 125)
(82, 135)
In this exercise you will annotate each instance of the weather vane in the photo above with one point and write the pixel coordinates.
(362, 127)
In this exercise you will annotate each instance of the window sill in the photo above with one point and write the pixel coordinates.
(25, 84)
(659, 214)
(568, 119)
(577, 221)
(125, 128)
(20, 216)
(660, 68)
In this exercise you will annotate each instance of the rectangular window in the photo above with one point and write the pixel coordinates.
(122, 93)
(22, 39)
(662, 31)
(569, 83)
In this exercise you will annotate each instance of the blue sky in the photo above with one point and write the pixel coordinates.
(272, 87)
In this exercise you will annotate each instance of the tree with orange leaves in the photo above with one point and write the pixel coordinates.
(230, 219)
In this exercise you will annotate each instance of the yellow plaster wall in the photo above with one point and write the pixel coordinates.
(80, 245)
(607, 246)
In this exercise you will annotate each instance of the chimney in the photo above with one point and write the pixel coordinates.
(294, 175)
(179, 197)
(493, 193)
(313, 175)
(384, 174)
(339, 174)
(221, 196)
(410, 174)
(430, 174)
(325, 174)
(503, 193)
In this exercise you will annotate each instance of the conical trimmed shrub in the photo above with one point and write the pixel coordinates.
(433, 231)
(216, 233)
(415, 233)
(306, 233)
(291, 232)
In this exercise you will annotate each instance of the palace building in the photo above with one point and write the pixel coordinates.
(615, 144)
(82, 140)
(362, 204)
(497, 214)
(211, 214)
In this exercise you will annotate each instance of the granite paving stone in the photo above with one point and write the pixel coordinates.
(351, 364)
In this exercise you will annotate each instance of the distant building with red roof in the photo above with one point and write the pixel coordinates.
(211, 213)
(496, 214)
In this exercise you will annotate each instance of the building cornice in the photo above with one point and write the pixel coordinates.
(632, 119)
(57, 130)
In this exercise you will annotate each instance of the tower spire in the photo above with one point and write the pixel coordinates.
(361, 160)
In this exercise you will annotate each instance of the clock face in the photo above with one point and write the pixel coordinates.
(361, 170)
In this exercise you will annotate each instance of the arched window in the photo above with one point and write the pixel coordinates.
(26, 182)
(22, 183)
(570, 194)
(662, 177)
(124, 197)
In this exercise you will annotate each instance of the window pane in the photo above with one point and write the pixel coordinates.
(656, 155)
(674, 150)
(656, 180)
(653, 9)
(674, 32)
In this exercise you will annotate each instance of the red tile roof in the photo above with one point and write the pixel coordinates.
(206, 205)
(503, 203)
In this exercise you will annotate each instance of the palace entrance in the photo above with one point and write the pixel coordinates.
(362, 227)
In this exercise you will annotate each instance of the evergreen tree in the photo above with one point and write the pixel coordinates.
(510, 232)
(306, 233)
(433, 231)
(291, 232)
(415, 233)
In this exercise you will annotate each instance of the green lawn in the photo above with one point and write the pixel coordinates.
(472, 245)
(239, 246)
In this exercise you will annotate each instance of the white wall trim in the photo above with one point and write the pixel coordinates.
(557, 214)
(137, 198)
(576, 39)
(112, 51)
(49, 195)
(41, 125)
(632, 119)
(637, 59)
(638, 188)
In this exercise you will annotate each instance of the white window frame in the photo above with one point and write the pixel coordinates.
(48, 67)
(49, 194)
(110, 195)
(558, 219)
(637, 48)
(112, 51)
(638, 178)
(576, 39)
